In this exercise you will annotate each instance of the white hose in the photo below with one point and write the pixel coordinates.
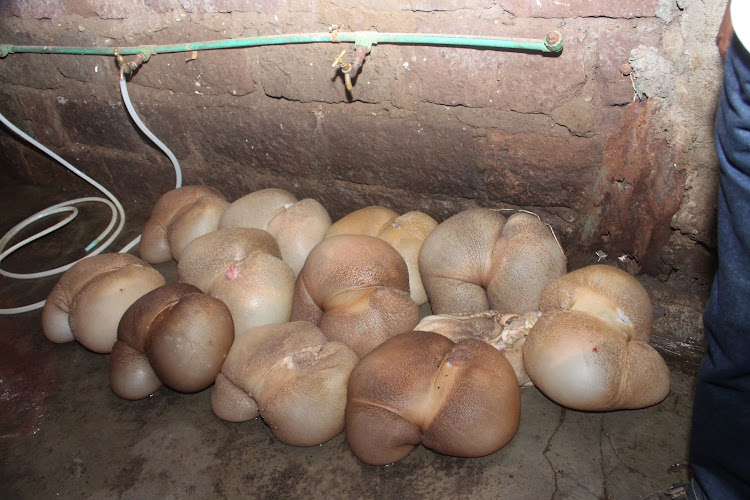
(112, 202)
(149, 134)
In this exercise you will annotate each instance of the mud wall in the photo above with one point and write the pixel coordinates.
(611, 142)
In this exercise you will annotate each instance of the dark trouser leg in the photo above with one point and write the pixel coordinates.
(720, 446)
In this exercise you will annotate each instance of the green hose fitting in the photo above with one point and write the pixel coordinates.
(553, 41)
(366, 39)
(146, 54)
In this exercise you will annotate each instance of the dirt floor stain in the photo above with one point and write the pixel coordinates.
(27, 378)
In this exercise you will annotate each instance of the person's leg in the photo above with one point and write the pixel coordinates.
(720, 440)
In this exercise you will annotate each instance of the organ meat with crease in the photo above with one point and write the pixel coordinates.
(88, 300)
(356, 289)
(590, 348)
(406, 233)
(297, 225)
(174, 335)
(242, 268)
(178, 217)
(290, 375)
(476, 261)
(460, 399)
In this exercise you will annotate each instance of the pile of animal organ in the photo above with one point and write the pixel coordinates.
(315, 327)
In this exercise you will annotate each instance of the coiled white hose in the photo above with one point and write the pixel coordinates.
(111, 201)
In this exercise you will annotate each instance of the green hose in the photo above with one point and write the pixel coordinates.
(552, 43)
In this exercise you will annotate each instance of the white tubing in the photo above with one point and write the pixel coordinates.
(113, 203)
(149, 134)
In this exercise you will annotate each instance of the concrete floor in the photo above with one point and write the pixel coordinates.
(64, 433)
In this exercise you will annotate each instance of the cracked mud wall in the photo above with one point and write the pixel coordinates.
(617, 162)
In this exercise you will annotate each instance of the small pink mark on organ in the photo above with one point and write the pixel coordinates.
(233, 272)
(595, 349)
(121, 289)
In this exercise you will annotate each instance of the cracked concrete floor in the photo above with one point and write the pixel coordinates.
(64, 433)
